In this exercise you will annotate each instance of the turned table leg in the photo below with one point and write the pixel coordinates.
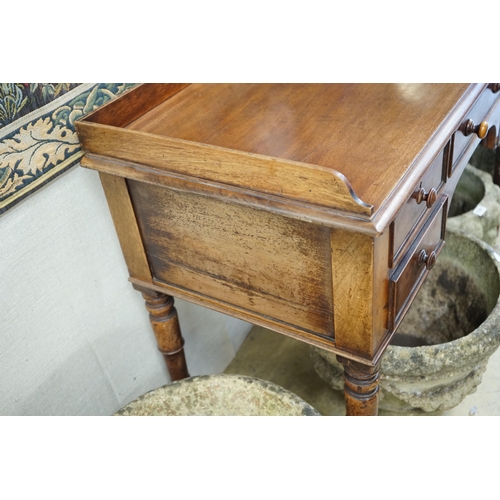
(165, 323)
(361, 387)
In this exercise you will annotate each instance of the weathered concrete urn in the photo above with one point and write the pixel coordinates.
(221, 395)
(475, 206)
(443, 345)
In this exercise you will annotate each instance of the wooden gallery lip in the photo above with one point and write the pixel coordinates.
(315, 210)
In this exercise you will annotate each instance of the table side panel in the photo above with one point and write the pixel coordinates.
(360, 291)
(352, 271)
(260, 261)
(122, 213)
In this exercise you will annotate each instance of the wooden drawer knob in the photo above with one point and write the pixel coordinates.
(420, 195)
(428, 259)
(494, 87)
(469, 127)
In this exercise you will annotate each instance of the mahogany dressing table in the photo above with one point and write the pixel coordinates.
(315, 210)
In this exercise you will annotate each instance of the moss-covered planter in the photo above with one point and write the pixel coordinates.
(443, 345)
(222, 395)
(475, 206)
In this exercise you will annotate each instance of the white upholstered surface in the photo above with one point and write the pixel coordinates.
(75, 337)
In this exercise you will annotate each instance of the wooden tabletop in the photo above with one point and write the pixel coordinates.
(371, 133)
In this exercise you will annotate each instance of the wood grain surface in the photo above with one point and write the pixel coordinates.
(120, 112)
(122, 212)
(285, 178)
(262, 262)
(358, 130)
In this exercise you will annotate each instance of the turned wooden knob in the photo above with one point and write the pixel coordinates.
(428, 259)
(420, 195)
(469, 127)
(494, 87)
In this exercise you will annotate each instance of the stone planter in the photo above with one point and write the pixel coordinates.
(223, 395)
(475, 206)
(443, 345)
(483, 159)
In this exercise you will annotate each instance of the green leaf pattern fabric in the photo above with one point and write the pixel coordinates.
(43, 148)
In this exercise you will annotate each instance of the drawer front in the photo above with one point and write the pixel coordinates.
(463, 141)
(412, 214)
(409, 275)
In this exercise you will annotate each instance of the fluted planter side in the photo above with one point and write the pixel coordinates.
(475, 206)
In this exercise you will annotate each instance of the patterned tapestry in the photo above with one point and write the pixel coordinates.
(37, 135)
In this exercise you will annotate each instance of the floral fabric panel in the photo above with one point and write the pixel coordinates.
(37, 134)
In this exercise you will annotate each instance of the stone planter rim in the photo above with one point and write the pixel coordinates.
(288, 400)
(423, 358)
(483, 178)
(481, 226)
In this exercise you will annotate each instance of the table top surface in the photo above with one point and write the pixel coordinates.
(371, 133)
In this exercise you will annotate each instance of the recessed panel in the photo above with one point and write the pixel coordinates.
(260, 261)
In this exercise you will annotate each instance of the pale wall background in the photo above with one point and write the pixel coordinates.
(75, 337)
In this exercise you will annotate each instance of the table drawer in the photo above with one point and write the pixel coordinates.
(467, 138)
(412, 213)
(418, 261)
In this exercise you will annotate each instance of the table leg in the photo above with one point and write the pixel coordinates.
(361, 387)
(165, 323)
